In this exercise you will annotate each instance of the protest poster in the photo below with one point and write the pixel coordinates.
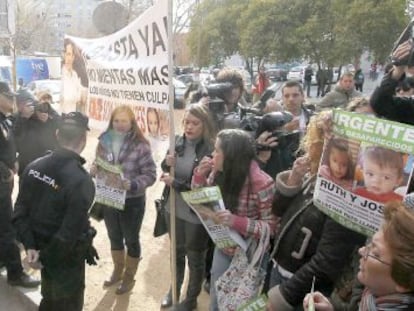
(205, 202)
(366, 163)
(109, 185)
(128, 67)
(257, 304)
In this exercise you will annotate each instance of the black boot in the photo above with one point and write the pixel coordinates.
(196, 265)
(167, 301)
(24, 280)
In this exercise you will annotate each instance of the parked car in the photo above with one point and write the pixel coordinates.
(187, 78)
(51, 86)
(278, 73)
(179, 91)
(296, 73)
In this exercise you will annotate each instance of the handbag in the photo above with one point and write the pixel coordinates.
(243, 280)
(160, 227)
(97, 211)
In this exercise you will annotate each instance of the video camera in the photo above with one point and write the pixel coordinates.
(407, 34)
(274, 122)
(217, 93)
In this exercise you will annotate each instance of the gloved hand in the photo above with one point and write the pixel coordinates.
(91, 256)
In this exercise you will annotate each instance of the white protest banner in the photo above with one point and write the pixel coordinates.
(205, 202)
(129, 67)
(366, 163)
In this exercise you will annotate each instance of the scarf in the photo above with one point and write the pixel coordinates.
(391, 302)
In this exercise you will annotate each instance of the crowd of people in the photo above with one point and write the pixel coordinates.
(266, 184)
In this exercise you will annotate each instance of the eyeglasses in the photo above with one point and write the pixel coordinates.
(366, 254)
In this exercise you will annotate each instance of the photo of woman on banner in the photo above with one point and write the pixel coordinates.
(383, 172)
(337, 163)
(74, 79)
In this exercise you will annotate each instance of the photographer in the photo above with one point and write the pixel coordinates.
(384, 101)
(222, 98)
(274, 156)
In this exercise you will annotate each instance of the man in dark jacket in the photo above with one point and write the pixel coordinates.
(35, 135)
(307, 79)
(9, 252)
(51, 217)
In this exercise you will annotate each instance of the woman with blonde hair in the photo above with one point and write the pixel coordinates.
(310, 244)
(124, 144)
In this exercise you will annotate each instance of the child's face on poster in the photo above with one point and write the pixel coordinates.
(153, 124)
(338, 163)
(380, 180)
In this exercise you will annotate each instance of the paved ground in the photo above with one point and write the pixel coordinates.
(153, 277)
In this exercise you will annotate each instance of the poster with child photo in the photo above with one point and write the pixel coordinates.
(365, 163)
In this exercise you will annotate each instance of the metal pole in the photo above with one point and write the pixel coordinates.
(173, 242)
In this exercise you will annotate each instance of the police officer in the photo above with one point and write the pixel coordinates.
(51, 217)
(9, 252)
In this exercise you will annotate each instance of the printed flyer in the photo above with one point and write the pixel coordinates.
(205, 202)
(366, 163)
(109, 185)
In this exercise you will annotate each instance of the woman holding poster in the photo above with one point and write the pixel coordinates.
(124, 144)
(386, 267)
(247, 194)
(310, 244)
(191, 236)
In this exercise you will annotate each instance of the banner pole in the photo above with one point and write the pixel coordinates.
(173, 242)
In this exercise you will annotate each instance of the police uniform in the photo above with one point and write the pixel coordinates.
(51, 215)
(9, 252)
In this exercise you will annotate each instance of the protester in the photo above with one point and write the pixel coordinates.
(343, 93)
(310, 244)
(191, 236)
(247, 194)
(386, 267)
(35, 134)
(51, 217)
(124, 144)
(9, 251)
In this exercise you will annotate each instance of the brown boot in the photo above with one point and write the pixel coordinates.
(128, 282)
(118, 258)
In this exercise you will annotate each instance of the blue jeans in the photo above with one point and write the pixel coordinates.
(221, 263)
(124, 226)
